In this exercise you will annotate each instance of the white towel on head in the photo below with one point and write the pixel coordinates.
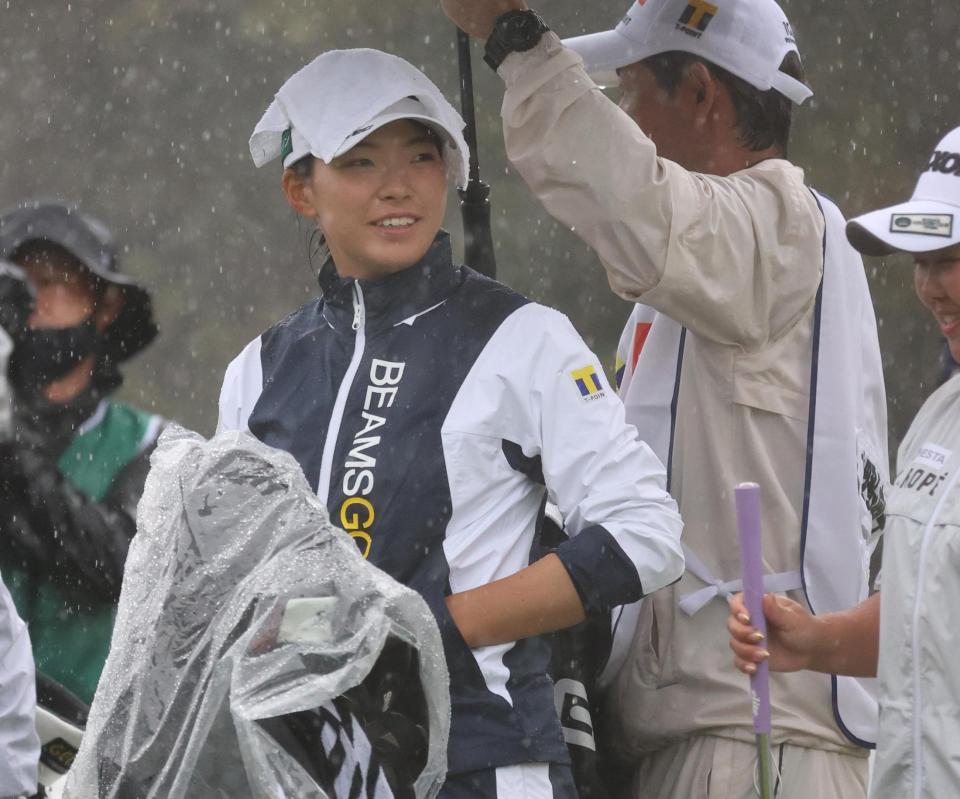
(342, 96)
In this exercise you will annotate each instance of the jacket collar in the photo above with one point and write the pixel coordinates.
(392, 299)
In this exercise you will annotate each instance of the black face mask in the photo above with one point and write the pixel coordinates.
(46, 355)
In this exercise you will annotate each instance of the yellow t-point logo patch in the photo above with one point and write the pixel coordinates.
(587, 382)
(696, 16)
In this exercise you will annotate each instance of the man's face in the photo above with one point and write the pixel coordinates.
(661, 117)
(381, 204)
(936, 277)
(65, 293)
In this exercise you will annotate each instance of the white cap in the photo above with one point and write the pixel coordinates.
(343, 96)
(748, 38)
(930, 220)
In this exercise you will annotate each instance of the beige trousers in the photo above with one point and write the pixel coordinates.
(707, 767)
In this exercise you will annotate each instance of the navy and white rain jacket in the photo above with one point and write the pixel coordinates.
(435, 410)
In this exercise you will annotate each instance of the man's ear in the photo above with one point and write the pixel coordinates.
(702, 91)
(109, 305)
(299, 193)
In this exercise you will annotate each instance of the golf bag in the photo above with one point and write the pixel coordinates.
(61, 718)
(578, 656)
(255, 653)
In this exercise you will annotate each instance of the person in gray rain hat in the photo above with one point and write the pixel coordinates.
(73, 458)
(433, 409)
(901, 634)
(751, 354)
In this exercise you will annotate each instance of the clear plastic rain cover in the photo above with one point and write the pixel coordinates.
(256, 653)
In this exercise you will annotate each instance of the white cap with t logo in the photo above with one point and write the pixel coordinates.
(748, 38)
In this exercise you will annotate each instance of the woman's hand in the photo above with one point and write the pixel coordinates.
(792, 635)
(845, 642)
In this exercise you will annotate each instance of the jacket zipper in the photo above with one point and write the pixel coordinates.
(336, 417)
(915, 641)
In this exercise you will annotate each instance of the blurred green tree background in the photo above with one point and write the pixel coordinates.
(139, 112)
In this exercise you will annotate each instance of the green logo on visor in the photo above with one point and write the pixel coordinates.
(286, 144)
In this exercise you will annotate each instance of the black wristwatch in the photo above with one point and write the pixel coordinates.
(513, 32)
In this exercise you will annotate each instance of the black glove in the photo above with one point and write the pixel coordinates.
(16, 300)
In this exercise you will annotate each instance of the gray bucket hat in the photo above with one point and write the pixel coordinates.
(89, 241)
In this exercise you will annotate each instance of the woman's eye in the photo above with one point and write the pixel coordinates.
(357, 162)
(425, 156)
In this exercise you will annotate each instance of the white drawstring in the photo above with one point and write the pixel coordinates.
(695, 601)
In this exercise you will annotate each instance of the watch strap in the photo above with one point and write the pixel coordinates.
(515, 31)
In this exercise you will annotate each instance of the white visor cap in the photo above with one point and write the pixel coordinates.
(343, 96)
(748, 38)
(928, 221)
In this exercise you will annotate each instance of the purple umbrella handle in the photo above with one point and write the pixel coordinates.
(751, 566)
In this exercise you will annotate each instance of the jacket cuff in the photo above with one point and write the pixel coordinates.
(519, 65)
(600, 570)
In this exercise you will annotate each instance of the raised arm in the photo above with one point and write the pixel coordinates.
(688, 244)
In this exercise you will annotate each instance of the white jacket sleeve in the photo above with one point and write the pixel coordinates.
(242, 386)
(19, 744)
(735, 259)
(609, 486)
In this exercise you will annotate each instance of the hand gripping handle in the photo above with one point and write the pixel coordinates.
(751, 566)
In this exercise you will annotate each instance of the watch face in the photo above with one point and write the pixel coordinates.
(522, 27)
(515, 31)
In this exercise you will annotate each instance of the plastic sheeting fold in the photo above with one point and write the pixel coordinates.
(246, 620)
